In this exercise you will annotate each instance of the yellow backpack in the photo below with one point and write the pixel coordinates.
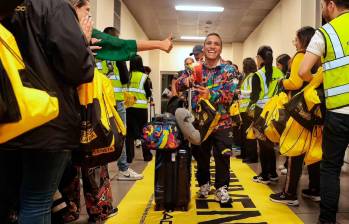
(33, 105)
(130, 99)
(298, 139)
(206, 118)
(295, 140)
(260, 123)
(277, 119)
(314, 154)
(250, 134)
(306, 106)
(234, 112)
(102, 130)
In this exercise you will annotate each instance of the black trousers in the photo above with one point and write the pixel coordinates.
(267, 158)
(334, 143)
(248, 146)
(294, 172)
(135, 119)
(218, 141)
(237, 131)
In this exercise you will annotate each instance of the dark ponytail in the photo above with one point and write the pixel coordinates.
(136, 64)
(284, 60)
(266, 53)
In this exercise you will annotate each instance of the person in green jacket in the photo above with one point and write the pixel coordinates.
(113, 48)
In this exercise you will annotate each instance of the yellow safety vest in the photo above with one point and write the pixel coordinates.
(336, 62)
(267, 92)
(246, 89)
(110, 69)
(136, 88)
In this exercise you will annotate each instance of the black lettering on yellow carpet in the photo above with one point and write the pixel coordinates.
(250, 204)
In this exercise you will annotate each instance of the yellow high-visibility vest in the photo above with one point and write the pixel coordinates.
(336, 62)
(246, 88)
(110, 69)
(268, 92)
(136, 88)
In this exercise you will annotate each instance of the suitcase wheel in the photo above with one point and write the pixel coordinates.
(157, 207)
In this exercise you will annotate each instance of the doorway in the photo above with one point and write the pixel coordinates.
(166, 79)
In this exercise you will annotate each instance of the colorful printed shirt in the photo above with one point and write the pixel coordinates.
(222, 81)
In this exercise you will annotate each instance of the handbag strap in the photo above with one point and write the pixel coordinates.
(35, 78)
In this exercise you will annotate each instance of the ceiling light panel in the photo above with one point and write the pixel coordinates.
(195, 8)
(193, 38)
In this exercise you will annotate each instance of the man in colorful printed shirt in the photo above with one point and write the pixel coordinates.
(218, 84)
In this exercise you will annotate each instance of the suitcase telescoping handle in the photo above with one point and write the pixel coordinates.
(189, 101)
(151, 109)
(190, 95)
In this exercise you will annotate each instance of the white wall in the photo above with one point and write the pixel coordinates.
(130, 29)
(154, 64)
(279, 28)
(237, 54)
(276, 30)
(309, 13)
(103, 13)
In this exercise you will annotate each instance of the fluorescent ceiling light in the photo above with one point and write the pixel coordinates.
(199, 8)
(192, 38)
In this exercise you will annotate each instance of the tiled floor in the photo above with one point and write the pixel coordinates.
(307, 210)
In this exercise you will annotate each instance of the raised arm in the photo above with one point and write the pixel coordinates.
(146, 45)
(309, 61)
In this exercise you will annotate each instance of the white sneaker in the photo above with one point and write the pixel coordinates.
(222, 195)
(204, 190)
(281, 167)
(129, 174)
(283, 171)
(138, 143)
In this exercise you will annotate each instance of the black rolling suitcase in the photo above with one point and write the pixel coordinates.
(172, 163)
(172, 180)
(184, 179)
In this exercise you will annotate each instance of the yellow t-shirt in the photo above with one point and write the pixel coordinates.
(294, 82)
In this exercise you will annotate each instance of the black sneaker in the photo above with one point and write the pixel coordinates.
(313, 195)
(261, 179)
(113, 212)
(284, 198)
(274, 177)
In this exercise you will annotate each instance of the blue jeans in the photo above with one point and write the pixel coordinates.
(334, 144)
(122, 162)
(28, 181)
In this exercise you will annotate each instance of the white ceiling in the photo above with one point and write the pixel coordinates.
(240, 17)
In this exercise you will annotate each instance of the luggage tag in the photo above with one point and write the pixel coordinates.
(173, 157)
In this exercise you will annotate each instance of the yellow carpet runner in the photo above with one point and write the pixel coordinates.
(251, 203)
